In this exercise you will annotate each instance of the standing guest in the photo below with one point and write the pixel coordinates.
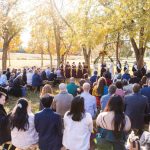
(94, 78)
(72, 87)
(85, 68)
(99, 90)
(36, 81)
(43, 75)
(47, 89)
(62, 101)
(24, 77)
(126, 66)
(119, 90)
(80, 89)
(111, 69)
(48, 124)
(86, 77)
(5, 135)
(145, 139)
(11, 80)
(104, 100)
(113, 124)
(29, 77)
(126, 75)
(107, 76)
(58, 73)
(79, 72)
(62, 69)
(18, 72)
(3, 79)
(118, 67)
(143, 81)
(136, 105)
(52, 76)
(127, 87)
(144, 69)
(135, 78)
(78, 126)
(48, 71)
(89, 100)
(134, 68)
(146, 92)
(23, 131)
(74, 72)
(103, 69)
(68, 70)
(8, 73)
(16, 89)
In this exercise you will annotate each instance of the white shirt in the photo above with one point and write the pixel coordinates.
(3, 79)
(89, 103)
(77, 133)
(105, 120)
(58, 72)
(24, 139)
(29, 78)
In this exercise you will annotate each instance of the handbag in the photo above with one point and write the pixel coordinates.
(105, 140)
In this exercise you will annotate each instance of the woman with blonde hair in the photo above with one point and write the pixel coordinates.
(46, 89)
(100, 89)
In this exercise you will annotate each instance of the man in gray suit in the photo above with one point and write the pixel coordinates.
(136, 106)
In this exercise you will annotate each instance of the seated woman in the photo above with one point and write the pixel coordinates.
(112, 125)
(23, 131)
(78, 126)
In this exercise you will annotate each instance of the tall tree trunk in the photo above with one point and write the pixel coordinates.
(87, 56)
(41, 57)
(4, 55)
(50, 55)
(117, 46)
(139, 52)
(9, 59)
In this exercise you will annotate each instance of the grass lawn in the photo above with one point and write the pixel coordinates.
(31, 96)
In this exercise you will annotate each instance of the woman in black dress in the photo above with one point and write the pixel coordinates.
(68, 70)
(80, 71)
(118, 67)
(5, 135)
(85, 68)
(74, 72)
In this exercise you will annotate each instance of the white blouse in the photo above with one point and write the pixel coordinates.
(77, 133)
(24, 139)
(105, 120)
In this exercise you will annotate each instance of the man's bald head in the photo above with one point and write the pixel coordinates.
(86, 87)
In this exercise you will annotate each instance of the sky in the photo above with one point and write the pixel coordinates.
(28, 6)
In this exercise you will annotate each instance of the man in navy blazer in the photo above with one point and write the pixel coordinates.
(136, 106)
(49, 126)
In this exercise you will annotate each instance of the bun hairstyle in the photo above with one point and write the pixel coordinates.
(19, 119)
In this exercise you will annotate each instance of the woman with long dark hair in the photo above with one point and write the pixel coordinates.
(78, 126)
(23, 131)
(100, 89)
(113, 124)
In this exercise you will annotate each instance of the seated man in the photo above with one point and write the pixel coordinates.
(72, 87)
(48, 124)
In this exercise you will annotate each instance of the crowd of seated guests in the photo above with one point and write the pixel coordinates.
(91, 114)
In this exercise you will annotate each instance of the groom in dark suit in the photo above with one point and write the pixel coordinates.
(49, 126)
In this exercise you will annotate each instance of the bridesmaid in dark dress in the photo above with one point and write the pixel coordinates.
(85, 68)
(62, 70)
(74, 72)
(68, 70)
(80, 71)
